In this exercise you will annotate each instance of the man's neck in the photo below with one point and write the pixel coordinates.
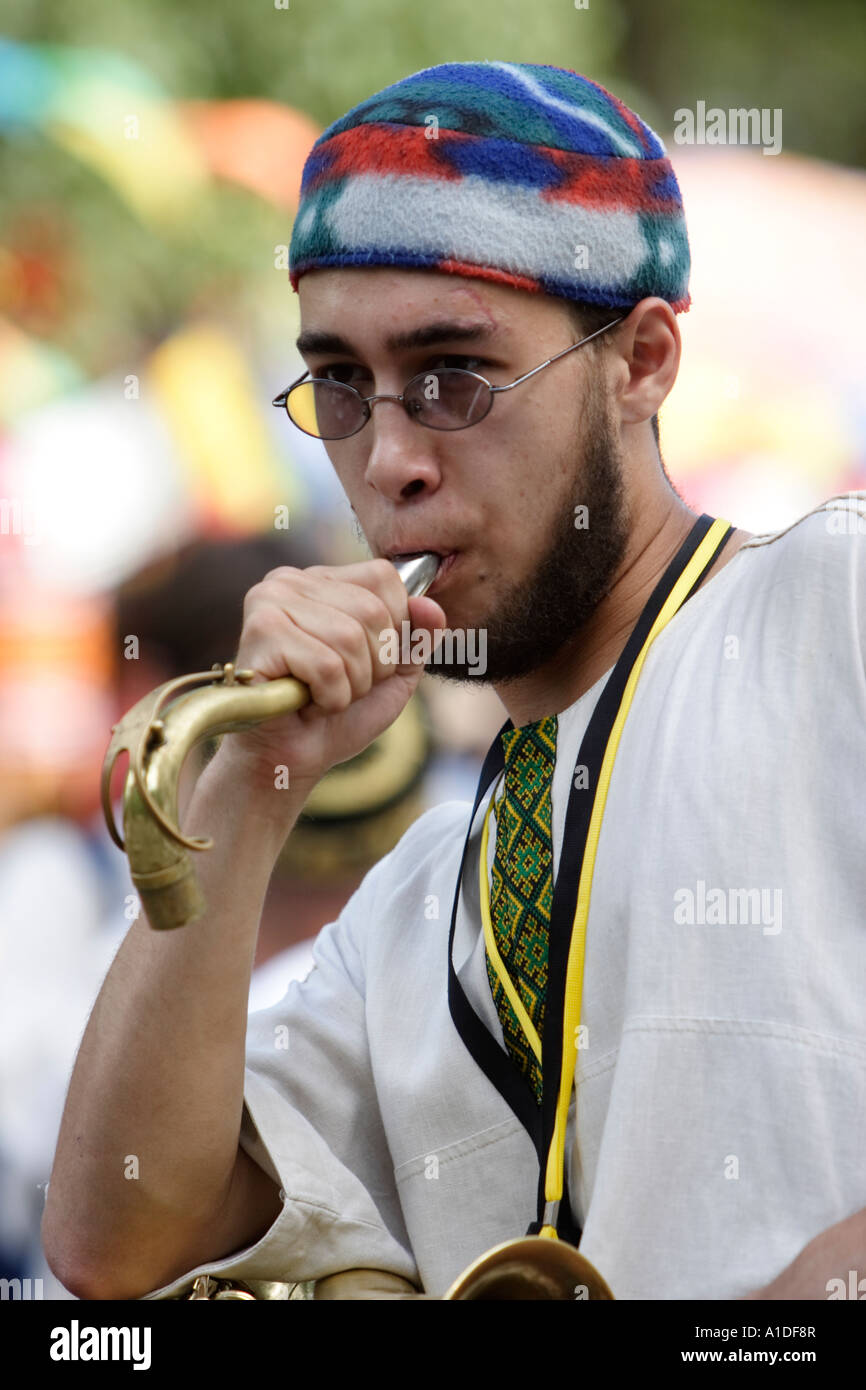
(595, 648)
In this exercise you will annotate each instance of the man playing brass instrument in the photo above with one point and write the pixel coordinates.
(621, 1001)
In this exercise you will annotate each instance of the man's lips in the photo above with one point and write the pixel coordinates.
(446, 562)
(445, 567)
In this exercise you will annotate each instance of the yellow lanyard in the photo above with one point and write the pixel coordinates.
(553, 1183)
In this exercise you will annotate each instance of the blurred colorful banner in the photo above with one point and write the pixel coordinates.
(134, 404)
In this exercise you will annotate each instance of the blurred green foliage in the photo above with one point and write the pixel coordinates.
(323, 56)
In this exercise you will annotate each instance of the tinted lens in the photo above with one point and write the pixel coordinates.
(325, 409)
(450, 399)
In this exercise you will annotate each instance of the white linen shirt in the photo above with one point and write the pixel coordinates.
(721, 1090)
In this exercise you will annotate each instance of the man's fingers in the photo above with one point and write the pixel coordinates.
(335, 635)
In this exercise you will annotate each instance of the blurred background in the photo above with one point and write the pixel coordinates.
(150, 160)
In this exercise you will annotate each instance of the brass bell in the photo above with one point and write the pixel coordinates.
(530, 1267)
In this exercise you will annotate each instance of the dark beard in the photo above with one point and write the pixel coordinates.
(538, 617)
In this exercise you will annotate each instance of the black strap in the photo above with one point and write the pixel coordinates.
(497, 1064)
(578, 814)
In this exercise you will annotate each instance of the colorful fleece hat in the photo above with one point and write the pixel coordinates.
(525, 174)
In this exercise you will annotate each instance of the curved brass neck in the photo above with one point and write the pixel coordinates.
(158, 733)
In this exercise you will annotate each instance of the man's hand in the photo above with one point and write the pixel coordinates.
(831, 1255)
(326, 626)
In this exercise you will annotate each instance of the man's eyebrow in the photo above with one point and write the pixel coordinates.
(314, 340)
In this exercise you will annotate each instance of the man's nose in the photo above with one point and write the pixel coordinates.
(403, 458)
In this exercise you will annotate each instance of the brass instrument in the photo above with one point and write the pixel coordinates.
(158, 733)
(528, 1268)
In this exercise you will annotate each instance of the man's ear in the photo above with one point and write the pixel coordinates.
(648, 346)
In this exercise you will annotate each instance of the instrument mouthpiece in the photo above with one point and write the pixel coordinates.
(418, 572)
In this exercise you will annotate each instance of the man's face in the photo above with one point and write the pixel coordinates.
(501, 496)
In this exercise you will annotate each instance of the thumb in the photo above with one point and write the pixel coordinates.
(427, 614)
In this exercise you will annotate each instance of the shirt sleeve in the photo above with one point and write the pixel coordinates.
(844, 520)
(860, 573)
(311, 1120)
